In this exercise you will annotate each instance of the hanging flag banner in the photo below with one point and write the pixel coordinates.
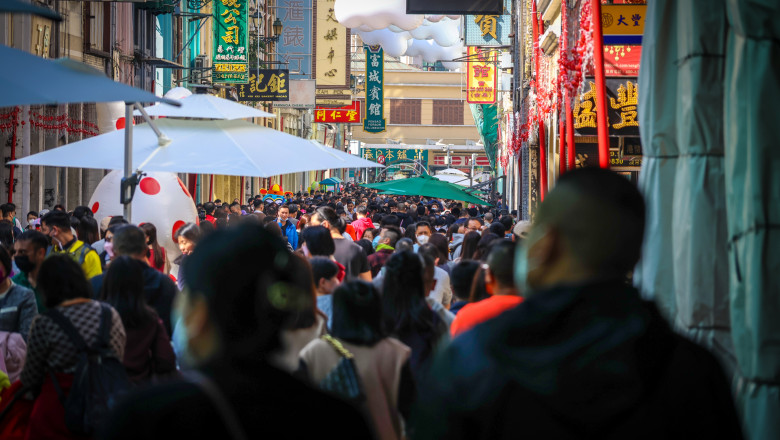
(481, 81)
(230, 61)
(349, 114)
(375, 94)
(622, 102)
(489, 30)
(265, 85)
(295, 43)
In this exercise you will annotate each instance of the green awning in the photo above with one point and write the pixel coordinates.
(426, 186)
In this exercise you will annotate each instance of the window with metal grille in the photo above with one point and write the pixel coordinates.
(447, 112)
(405, 111)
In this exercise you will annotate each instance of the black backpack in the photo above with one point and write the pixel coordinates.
(98, 381)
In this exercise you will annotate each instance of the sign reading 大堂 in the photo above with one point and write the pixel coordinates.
(265, 85)
(230, 61)
(375, 95)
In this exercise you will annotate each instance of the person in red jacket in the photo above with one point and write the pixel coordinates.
(363, 222)
(499, 280)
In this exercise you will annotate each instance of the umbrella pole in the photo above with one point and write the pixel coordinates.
(128, 154)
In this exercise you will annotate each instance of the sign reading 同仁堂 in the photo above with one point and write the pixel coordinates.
(265, 85)
(489, 29)
(375, 94)
(347, 114)
(231, 64)
(481, 78)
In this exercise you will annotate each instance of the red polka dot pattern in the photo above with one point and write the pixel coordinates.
(95, 207)
(120, 123)
(150, 186)
(176, 227)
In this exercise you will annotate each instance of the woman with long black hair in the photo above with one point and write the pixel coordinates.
(407, 315)
(148, 351)
(157, 255)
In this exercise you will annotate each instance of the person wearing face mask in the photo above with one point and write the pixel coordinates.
(422, 232)
(234, 307)
(17, 303)
(56, 225)
(325, 272)
(29, 252)
(584, 356)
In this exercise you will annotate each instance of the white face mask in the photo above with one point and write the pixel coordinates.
(422, 239)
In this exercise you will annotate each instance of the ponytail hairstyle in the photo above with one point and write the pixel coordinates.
(151, 240)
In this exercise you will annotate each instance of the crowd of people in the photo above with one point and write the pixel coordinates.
(358, 314)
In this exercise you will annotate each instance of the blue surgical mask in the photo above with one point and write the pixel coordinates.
(375, 242)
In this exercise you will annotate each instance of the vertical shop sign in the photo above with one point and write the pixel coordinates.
(481, 78)
(489, 30)
(375, 94)
(295, 43)
(331, 59)
(230, 62)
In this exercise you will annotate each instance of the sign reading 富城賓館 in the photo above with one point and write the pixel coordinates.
(375, 96)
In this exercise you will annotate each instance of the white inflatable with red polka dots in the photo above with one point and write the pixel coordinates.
(160, 198)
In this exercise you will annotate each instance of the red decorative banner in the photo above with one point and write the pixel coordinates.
(347, 114)
(622, 60)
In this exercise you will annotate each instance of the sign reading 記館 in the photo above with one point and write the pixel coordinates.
(622, 101)
(265, 85)
(349, 114)
(388, 156)
(375, 94)
(294, 46)
(331, 56)
(230, 61)
(489, 30)
(481, 78)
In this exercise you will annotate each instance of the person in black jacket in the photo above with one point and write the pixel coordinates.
(240, 291)
(159, 289)
(583, 356)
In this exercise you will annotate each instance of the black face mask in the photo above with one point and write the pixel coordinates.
(24, 264)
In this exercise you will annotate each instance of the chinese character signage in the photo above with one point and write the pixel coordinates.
(622, 60)
(388, 156)
(347, 114)
(623, 24)
(375, 90)
(622, 101)
(481, 78)
(331, 55)
(265, 85)
(295, 44)
(230, 62)
(489, 30)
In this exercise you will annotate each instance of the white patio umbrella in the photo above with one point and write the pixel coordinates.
(206, 107)
(233, 148)
(30, 80)
(452, 178)
(452, 171)
(35, 80)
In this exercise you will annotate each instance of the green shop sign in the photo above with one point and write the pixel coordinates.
(231, 64)
(375, 94)
(389, 156)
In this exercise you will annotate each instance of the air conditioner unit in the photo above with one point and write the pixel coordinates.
(199, 68)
